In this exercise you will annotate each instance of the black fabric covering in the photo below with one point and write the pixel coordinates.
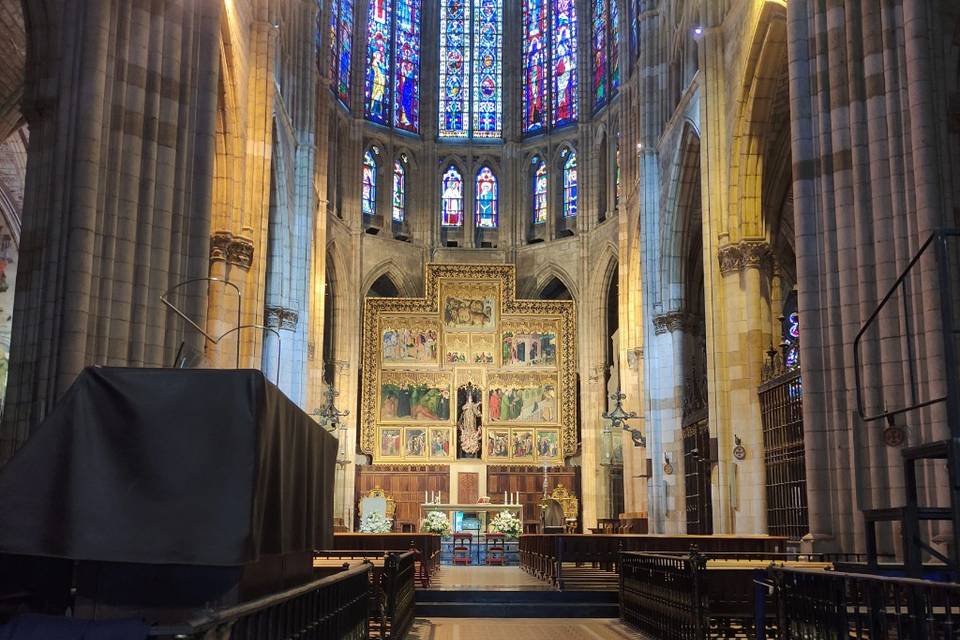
(35, 627)
(170, 466)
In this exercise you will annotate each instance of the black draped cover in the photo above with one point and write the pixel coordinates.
(171, 467)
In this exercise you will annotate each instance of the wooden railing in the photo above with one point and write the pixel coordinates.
(392, 584)
(333, 608)
(830, 604)
(544, 555)
(427, 544)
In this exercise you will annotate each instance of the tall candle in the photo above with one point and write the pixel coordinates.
(425, 500)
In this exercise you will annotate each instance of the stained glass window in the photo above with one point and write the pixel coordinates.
(471, 68)
(600, 19)
(535, 41)
(486, 214)
(606, 51)
(377, 72)
(368, 195)
(399, 190)
(454, 67)
(392, 75)
(570, 186)
(341, 44)
(539, 191)
(487, 71)
(406, 99)
(564, 62)
(614, 47)
(451, 198)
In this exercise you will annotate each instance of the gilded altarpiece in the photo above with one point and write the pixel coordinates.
(469, 371)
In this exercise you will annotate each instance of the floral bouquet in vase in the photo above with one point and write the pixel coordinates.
(375, 522)
(507, 524)
(436, 522)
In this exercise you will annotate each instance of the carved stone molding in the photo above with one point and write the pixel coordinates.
(235, 250)
(747, 254)
(281, 318)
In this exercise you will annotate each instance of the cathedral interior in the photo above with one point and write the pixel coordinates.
(687, 262)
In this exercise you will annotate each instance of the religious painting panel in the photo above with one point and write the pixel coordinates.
(498, 443)
(523, 446)
(528, 343)
(439, 443)
(415, 442)
(469, 306)
(409, 340)
(390, 442)
(456, 348)
(482, 349)
(548, 444)
(413, 396)
(522, 398)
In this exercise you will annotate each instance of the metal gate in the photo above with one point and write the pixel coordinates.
(781, 409)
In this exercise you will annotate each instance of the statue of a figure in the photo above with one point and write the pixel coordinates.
(469, 425)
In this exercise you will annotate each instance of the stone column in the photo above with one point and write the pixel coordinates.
(120, 100)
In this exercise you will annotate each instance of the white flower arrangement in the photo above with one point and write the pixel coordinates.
(375, 522)
(507, 523)
(436, 522)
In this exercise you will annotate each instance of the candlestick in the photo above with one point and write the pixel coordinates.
(425, 499)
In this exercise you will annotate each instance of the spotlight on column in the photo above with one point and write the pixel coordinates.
(697, 32)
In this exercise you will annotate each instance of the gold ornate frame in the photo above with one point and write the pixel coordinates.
(512, 309)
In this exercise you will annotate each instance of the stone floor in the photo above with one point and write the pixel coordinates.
(486, 579)
(520, 629)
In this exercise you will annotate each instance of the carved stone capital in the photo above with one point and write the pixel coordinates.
(670, 322)
(235, 250)
(731, 259)
(240, 252)
(219, 244)
(747, 254)
(281, 318)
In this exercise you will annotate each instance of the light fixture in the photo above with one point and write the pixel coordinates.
(618, 420)
(697, 31)
(328, 416)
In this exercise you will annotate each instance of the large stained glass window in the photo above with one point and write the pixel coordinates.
(600, 19)
(606, 51)
(451, 198)
(564, 62)
(539, 191)
(471, 68)
(378, 61)
(549, 60)
(391, 81)
(535, 44)
(487, 214)
(399, 189)
(488, 68)
(406, 97)
(341, 45)
(368, 194)
(570, 185)
(454, 67)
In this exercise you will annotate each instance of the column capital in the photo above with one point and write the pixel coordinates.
(277, 317)
(746, 254)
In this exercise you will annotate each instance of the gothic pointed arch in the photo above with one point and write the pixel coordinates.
(683, 221)
(388, 279)
(554, 283)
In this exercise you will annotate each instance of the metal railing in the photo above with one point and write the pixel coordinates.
(830, 604)
(334, 608)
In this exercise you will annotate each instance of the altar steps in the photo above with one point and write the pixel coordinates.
(433, 603)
